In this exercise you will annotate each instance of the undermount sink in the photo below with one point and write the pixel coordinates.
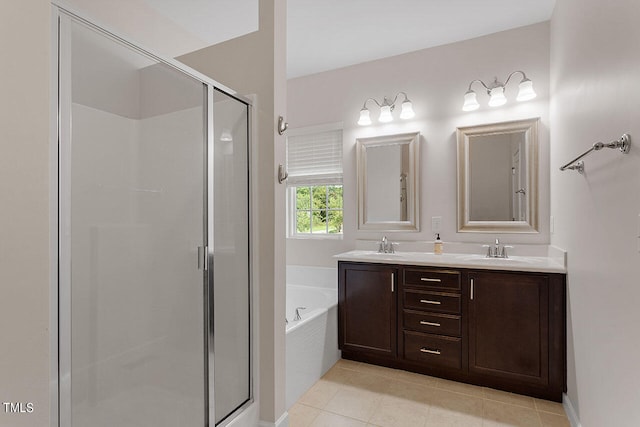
(377, 255)
(483, 258)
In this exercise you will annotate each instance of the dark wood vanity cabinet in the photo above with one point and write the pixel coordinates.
(500, 329)
(430, 324)
(367, 308)
(517, 329)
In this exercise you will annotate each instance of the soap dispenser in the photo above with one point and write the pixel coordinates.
(437, 245)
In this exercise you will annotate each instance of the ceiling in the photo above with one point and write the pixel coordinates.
(327, 34)
(211, 21)
(171, 27)
(321, 34)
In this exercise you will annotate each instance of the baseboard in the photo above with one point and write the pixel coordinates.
(570, 411)
(283, 421)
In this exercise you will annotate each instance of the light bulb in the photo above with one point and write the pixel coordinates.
(470, 101)
(385, 114)
(226, 136)
(497, 97)
(365, 119)
(407, 110)
(525, 91)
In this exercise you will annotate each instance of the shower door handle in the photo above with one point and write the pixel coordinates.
(202, 257)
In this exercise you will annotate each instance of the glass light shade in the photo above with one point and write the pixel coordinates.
(365, 119)
(525, 91)
(407, 110)
(385, 114)
(225, 136)
(470, 101)
(497, 97)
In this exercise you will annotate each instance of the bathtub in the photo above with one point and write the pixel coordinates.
(312, 342)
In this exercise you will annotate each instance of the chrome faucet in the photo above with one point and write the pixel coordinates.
(382, 245)
(297, 316)
(385, 246)
(497, 250)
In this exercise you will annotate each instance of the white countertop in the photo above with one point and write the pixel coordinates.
(459, 260)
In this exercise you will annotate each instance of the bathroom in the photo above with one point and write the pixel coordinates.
(582, 63)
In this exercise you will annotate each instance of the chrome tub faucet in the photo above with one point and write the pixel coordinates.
(297, 316)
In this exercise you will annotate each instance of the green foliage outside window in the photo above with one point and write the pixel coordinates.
(319, 209)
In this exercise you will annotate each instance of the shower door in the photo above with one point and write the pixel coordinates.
(133, 215)
(230, 271)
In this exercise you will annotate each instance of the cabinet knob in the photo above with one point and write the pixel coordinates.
(427, 350)
(428, 301)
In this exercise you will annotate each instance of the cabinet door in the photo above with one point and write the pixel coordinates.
(509, 326)
(367, 309)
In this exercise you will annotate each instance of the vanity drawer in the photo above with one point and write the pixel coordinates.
(433, 350)
(434, 278)
(442, 302)
(432, 323)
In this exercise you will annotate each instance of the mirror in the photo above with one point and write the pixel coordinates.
(387, 182)
(498, 177)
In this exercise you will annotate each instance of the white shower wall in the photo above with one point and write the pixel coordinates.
(93, 221)
(136, 317)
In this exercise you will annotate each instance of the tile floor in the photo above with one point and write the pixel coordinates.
(354, 394)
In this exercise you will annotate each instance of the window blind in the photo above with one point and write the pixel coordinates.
(315, 159)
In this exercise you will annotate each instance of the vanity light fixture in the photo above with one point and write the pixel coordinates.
(496, 92)
(226, 136)
(386, 107)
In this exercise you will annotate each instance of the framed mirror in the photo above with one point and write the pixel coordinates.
(498, 177)
(388, 184)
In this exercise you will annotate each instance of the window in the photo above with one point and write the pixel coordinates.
(314, 164)
(318, 209)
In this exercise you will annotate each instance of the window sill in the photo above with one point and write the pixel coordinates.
(317, 237)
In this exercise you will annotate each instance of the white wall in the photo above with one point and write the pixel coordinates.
(596, 97)
(435, 80)
(24, 215)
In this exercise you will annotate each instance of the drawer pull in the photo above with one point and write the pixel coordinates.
(426, 350)
(427, 279)
(424, 322)
(428, 301)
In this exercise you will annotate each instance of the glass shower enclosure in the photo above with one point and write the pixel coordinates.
(154, 295)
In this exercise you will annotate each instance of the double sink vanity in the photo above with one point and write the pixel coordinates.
(496, 322)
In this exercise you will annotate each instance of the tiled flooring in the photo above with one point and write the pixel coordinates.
(354, 394)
